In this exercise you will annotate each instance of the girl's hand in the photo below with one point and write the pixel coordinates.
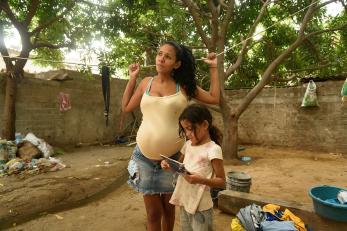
(164, 164)
(211, 59)
(193, 178)
(134, 70)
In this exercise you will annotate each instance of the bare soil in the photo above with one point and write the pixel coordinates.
(281, 173)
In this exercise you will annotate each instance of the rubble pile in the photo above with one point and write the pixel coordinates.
(30, 155)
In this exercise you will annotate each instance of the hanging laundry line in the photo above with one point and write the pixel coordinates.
(199, 59)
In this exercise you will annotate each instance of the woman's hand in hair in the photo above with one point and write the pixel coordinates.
(134, 70)
(211, 59)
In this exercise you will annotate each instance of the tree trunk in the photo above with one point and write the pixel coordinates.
(230, 136)
(9, 116)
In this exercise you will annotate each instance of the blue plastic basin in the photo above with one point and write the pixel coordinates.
(334, 211)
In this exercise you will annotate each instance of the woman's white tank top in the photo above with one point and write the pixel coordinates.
(158, 132)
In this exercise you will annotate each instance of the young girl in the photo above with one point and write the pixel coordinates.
(202, 158)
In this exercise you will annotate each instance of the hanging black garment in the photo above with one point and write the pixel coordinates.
(105, 74)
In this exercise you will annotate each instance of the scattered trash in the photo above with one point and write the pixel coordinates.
(32, 139)
(28, 151)
(106, 164)
(8, 151)
(23, 156)
(342, 197)
(42, 145)
(34, 166)
(132, 143)
(58, 217)
(45, 148)
(19, 138)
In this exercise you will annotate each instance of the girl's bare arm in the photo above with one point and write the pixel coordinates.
(218, 181)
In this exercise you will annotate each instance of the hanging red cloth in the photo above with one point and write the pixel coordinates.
(64, 102)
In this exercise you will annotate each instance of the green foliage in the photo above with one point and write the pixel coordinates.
(55, 24)
(45, 56)
(321, 55)
(86, 70)
(135, 29)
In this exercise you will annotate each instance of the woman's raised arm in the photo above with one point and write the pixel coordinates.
(131, 97)
(213, 95)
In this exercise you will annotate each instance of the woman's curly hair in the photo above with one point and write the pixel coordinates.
(185, 74)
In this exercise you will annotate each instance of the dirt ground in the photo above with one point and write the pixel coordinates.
(281, 173)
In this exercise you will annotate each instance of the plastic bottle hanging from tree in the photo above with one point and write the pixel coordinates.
(344, 91)
(310, 97)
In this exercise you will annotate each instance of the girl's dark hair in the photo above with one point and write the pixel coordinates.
(185, 74)
(197, 114)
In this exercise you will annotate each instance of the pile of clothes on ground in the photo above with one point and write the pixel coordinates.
(268, 218)
(30, 155)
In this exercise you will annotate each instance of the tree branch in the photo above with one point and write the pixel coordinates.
(343, 4)
(6, 8)
(275, 63)
(312, 49)
(325, 31)
(54, 19)
(31, 12)
(50, 45)
(224, 5)
(3, 48)
(214, 25)
(247, 41)
(325, 3)
(222, 37)
(226, 21)
(193, 9)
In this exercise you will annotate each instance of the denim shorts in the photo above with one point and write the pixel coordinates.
(147, 176)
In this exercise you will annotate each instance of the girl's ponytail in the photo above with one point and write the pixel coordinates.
(215, 134)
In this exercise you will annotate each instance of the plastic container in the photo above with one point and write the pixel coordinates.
(238, 181)
(246, 159)
(19, 138)
(322, 197)
(3, 152)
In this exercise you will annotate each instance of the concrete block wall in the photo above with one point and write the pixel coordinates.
(37, 110)
(276, 118)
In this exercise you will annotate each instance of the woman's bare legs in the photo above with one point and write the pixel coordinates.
(159, 212)
(169, 213)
